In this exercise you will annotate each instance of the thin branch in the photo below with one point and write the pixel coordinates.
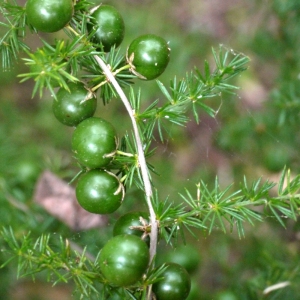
(141, 155)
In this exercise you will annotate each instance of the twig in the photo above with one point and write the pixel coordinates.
(141, 155)
(276, 286)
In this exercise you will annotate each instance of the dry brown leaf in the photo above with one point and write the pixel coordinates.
(58, 198)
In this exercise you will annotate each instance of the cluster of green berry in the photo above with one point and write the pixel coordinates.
(148, 55)
(125, 258)
(94, 140)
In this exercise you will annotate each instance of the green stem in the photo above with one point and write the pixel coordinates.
(125, 153)
(121, 69)
(96, 87)
(73, 30)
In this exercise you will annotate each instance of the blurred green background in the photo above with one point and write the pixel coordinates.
(255, 133)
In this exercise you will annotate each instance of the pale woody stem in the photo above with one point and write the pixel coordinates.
(141, 156)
